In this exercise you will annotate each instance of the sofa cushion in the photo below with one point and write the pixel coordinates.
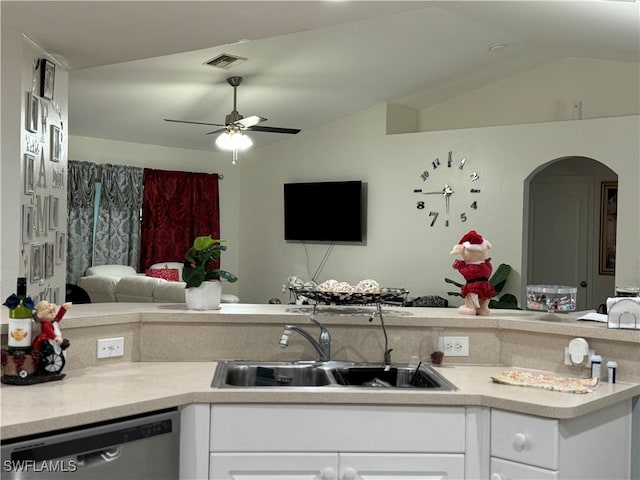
(117, 271)
(137, 289)
(168, 274)
(169, 292)
(101, 288)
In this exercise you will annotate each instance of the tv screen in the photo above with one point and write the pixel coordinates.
(324, 211)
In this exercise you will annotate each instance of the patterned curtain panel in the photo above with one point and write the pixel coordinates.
(177, 207)
(80, 200)
(118, 226)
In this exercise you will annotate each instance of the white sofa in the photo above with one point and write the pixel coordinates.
(121, 283)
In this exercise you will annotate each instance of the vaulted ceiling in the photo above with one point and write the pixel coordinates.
(133, 63)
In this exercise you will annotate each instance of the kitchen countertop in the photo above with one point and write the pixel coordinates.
(95, 394)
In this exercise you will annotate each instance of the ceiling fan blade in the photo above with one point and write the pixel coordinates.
(249, 122)
(216, 131)
(275, 130)
(195, 123)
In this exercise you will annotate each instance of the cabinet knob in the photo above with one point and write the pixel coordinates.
(349, 474)
(496, 476)
(329, 474)
(520, 441)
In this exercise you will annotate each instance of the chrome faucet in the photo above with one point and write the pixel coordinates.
(322, 345)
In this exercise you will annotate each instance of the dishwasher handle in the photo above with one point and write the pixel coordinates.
(98, 457)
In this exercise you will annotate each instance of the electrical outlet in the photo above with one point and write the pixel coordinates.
(110, 347)
(456, 346)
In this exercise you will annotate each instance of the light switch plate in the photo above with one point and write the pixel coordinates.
(110, 347)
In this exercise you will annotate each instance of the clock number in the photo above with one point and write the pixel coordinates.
(420, 205)
(450, 159)
(463, 217)
(474, 176)
(474, 205)
(475, 190)
(436, 163)
(446, 223)
(435, 216)
(424, 175)
(462, 162)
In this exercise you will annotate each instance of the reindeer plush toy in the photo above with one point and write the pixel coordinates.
(476, 269)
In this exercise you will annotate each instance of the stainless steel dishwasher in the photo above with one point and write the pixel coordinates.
(133, 448)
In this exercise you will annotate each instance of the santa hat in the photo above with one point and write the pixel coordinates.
(474, 241)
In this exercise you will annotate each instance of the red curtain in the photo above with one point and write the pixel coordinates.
(176, 208)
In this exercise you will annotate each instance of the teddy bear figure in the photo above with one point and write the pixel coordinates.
(476, 269)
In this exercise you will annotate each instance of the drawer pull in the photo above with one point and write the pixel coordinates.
(349, 474)
(520, 441)
(329, 474)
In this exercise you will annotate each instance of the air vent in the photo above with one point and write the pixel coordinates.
(225, 61)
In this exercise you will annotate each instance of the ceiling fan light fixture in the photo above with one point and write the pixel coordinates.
(233, 141)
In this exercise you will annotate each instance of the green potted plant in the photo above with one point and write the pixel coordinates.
(203, 288)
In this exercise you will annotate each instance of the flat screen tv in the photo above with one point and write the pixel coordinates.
(325, 211)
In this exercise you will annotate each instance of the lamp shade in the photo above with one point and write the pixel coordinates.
(233, 141)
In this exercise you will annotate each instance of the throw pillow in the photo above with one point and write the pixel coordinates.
(169, 274)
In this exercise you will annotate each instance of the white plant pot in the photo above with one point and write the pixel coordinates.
(204, 297)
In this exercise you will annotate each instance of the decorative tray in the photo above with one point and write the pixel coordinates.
(385, 295)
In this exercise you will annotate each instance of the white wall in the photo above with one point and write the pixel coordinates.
(162, 158)
(543, 94)
(402, 250)
(18, 56)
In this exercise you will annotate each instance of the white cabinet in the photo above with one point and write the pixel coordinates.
(336, 442)
(338, 466)
(592, 446)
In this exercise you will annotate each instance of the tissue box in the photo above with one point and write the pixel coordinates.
(551, 298)
(623, 312)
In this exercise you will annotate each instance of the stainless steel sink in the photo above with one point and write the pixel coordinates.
(251, 374)
(234, 373)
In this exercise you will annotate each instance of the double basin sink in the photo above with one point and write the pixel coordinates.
(235, 373)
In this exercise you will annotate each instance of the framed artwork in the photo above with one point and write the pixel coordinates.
(53, 212)
(31, 104)
(608, 225)
(29, 173)
(37, 262)
(55, 143)
(49, 252)
(28, 220)
(61, 247)
(54, 294)
(47, 78)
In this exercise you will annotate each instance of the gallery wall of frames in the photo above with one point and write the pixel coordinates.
(43, 206)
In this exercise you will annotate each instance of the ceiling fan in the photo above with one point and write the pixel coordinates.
(234, 122)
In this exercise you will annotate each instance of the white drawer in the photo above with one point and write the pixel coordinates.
(525, 439)
(337, 428)
(505, 470)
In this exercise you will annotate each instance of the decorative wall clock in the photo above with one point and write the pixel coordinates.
(449, 192)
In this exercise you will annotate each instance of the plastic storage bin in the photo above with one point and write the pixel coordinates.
(551, 298)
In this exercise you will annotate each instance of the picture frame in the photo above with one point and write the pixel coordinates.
(49, 254)
(29, 173)
(608, 226)
(37, 262)
(54, 295)
(31, 107)
(56, 148)
(61, 247)
(47, 78)
(54, 211)
(28, 220)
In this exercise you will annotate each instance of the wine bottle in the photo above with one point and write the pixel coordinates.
(20, 318)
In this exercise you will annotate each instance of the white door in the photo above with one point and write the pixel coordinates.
(273, 466)
(560, 234)
(401, 466)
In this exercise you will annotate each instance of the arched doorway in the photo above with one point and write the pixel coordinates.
(563, 228)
